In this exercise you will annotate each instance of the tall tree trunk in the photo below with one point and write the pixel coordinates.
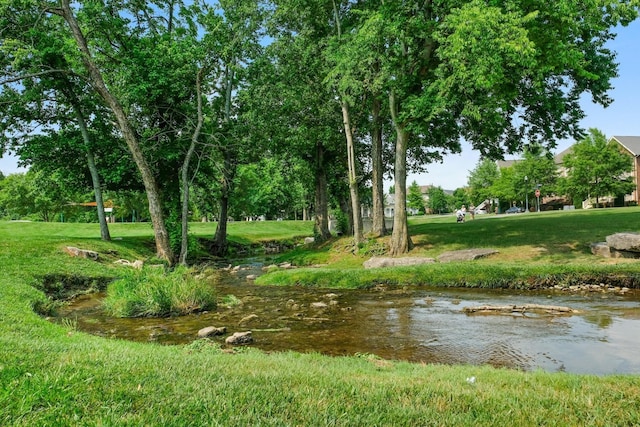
(184, 174)
(220, 238)
(356, 220)
(97, 191)
(379, 227)
(228, 174)
(344, 203)
(321, 227)
(400, 242)
(91, 163)
(163, 247)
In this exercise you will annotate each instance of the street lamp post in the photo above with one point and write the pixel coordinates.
(526, 192)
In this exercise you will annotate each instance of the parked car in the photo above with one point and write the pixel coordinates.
(514, 209)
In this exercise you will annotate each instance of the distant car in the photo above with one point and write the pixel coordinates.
(513, 209)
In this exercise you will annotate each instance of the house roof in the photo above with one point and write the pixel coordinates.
(631, 143)
(559, 158)
(502, 164)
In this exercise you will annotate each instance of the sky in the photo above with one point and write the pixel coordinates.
(620, 118)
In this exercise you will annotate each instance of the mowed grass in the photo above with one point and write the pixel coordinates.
(53, 375)
(533, 249)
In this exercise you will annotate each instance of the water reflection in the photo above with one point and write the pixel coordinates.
(414, 324)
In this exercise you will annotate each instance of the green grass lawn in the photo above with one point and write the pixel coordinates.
(534, 249)
(53, 375)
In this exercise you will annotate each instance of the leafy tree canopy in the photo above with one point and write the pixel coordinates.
(597, 168)
(481, 179)
(414, 198)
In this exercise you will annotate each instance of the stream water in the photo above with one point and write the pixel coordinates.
(415, 324)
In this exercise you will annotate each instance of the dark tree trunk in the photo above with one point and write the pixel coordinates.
(220, 244)
(321, 228)
(184, 175)
(379, 227)
(91, 163)
(400, 242)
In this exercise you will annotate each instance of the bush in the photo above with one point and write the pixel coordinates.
(152, 292)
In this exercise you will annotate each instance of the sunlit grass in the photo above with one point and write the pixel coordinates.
(52, 375)
(531, 247)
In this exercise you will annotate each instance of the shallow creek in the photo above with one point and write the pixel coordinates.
(414, 324)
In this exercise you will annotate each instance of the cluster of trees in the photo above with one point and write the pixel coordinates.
(281, 106)
(594, 168)
(437, 200)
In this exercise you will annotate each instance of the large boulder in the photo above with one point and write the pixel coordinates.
(628, 242)
(379, 262)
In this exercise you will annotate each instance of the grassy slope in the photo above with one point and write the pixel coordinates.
(534, 249)
(51, 375)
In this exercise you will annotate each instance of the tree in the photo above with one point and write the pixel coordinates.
(481, 179)
(95, 76)
(439, 201)
(414, 198)
(236, 26)
(505, 188)
(597, 168)
(352, 170)
(500, 75)
(460, 197)
(291, 109)
(44, 94)
(33, 195)
(537, 170)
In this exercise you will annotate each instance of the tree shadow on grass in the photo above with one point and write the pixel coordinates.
(566, 234)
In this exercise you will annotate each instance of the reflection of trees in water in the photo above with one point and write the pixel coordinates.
(602, 320)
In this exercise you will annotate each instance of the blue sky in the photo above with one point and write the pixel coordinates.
(620, 118)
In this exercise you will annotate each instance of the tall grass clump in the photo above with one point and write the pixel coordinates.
(151, 292)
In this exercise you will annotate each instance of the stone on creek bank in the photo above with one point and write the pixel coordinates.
(619, 245)
(137, 264)
(451, 256)
(81, 253)
(239, 338)
(248, 319)
(211, 331)
(624, 242)
(465, 255)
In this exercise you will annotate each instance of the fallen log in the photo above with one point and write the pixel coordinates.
(550, 309)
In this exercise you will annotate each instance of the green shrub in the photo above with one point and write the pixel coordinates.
(152, 292)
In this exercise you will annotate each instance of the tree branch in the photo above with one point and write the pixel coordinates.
(28, 76)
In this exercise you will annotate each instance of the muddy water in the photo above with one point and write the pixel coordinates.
(414, 324)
